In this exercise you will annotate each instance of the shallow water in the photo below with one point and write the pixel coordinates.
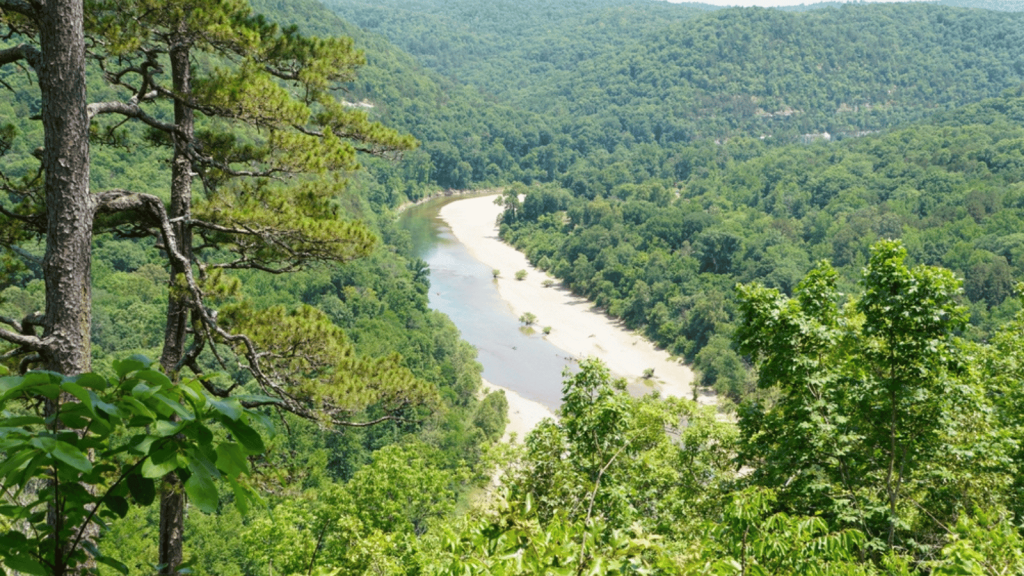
(464, 289)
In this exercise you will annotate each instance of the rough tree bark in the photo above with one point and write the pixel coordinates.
(59, 64)
(172, 498)
(67, 267)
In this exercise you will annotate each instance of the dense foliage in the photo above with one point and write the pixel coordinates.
(877, 399)
(609, 74)
(663, 254)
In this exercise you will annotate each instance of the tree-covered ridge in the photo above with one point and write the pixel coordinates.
(879, 439)
(998, 5)
(535, 42)
(584, 78)
(664, 257)
(766, 72)
(663, 73)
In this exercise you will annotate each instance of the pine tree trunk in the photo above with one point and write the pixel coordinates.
(67, 268)
(172, 498)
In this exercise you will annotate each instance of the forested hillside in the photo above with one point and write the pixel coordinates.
(853, 300)
(664, 259)
(1001, 5)
(315, 274)
(624, 73)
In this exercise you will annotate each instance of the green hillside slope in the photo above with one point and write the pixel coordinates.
(655, 72)
(665, 260)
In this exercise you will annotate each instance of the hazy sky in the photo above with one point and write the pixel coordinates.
(768, 2)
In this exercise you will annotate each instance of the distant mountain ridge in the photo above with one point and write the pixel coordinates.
(997, 5)
(666, 72)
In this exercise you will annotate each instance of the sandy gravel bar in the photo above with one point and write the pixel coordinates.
(523, 414)
(577, 326)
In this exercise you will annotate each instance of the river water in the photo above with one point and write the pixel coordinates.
(464, 289)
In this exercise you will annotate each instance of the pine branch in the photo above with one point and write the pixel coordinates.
(129, 109)
(18, 6)
(152, 207)
(24, 52)
(32, 343)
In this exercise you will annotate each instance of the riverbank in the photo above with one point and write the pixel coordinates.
(577, 326)
(523, 414)
(447, 193)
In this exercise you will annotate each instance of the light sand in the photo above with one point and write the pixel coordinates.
(523, 414)
(577, 327)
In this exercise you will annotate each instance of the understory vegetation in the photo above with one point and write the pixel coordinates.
(821, 210)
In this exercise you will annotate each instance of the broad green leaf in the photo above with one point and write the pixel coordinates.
(92, 381)
(230, 407)
(118, 504)
(159, 464)
(75, 420)
(113, 563)
(174, 405)
(197, 399)
(138, 408)
(19, 477)
(155, 378)
(168, 428)
(200, 434)
(44, 443)
(201, 489)
(10, 511)
(71, 456)
(37, 377)
(9, 382)
(142, 489)
(263, 420)
(78, 392)
(204, 456)
(107, 407)
(231, 459)
(143, 443)
(12, 539)
(125, 367)
(246, 436)
(241, 497)
(25, 564)
(143, 392)
(21, 421)
(43, 383)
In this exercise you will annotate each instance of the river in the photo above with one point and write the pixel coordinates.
(464, 289)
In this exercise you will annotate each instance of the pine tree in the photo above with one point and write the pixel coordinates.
(271, 150)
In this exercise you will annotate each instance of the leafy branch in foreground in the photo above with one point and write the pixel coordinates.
(82, 449)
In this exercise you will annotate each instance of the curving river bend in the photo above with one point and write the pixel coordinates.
(463, 288)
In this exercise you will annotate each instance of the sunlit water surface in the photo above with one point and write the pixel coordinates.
(464, 289)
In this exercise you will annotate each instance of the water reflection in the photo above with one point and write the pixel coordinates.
(464, 289)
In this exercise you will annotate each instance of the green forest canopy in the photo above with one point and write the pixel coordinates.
(656, 212)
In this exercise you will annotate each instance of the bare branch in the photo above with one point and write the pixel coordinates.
(131, 110)
(11, 322)
(36, 222)
(27, 360)
(12, 353)
(19, 6)
(26, 325)
(32, 343)
(25, 52)
(26, 255)
(247, 264)
(153, 208)
(355, 141)
(211, 162)
(191, 355)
